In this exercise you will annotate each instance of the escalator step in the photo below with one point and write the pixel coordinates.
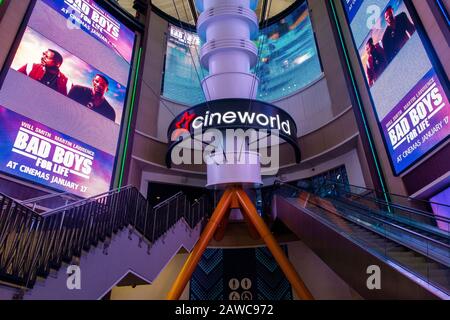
(419, 262)
(405, 254)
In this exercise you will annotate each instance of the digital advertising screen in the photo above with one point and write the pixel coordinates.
(3, 5)
(183, 72)
(63, 97)
(288, 60)
(409, 96)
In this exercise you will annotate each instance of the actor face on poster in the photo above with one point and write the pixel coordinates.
(380, 52)
(47, 72)
(94, 98)
(408, 95)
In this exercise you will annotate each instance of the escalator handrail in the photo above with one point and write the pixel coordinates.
(390, 194)
(399, 206)
(358, 239)
(381, 220)
(403, 229)
(377, 214)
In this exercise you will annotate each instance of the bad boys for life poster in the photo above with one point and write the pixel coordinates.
(94, 20)
(410, 100)
(64, 95)
(35, 152)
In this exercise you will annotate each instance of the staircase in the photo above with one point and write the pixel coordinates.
(107, 237)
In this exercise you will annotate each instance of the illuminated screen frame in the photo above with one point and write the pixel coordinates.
(120, 155)
(444, 11)
(3, 6)
(436, 65)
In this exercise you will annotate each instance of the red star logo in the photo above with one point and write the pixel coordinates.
(185, 121)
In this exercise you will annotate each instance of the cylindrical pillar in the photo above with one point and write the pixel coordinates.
(227, 29)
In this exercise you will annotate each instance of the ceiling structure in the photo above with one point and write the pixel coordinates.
(128, 6)
(181, 9)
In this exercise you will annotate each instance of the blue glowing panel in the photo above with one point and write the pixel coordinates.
(183, 72)
(288, 60)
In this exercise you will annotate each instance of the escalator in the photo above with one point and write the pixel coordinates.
(351, 231)
(405, 215)
(425, 229)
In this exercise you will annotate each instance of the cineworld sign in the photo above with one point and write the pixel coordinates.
(235, 114)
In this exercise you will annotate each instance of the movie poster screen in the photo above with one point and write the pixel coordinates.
(72, 77)
(410, 100)
(64, 95)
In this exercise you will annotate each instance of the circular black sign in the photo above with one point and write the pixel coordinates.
(227, 114)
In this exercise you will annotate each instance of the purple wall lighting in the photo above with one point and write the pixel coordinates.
(442, 210)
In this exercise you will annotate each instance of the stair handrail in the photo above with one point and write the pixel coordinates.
(84, 201)
(31, 244)
(164, 202)
(46, 197)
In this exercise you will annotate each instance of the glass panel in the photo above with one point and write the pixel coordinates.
(419, 253)
(289, 60)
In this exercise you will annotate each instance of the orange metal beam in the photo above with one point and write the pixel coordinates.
(196, 254)
(254, 234)
(291, 274)
(222, 227)
(232, 198)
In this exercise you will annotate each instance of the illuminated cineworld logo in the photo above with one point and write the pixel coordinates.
(233, 114)
(238, 118)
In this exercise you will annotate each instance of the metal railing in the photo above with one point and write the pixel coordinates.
(32, 244)
(425, 257)
(410, 211)
(379, 218)
(419, 206)
(49, 201)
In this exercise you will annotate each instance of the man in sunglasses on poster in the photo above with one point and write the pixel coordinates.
(399, 30)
